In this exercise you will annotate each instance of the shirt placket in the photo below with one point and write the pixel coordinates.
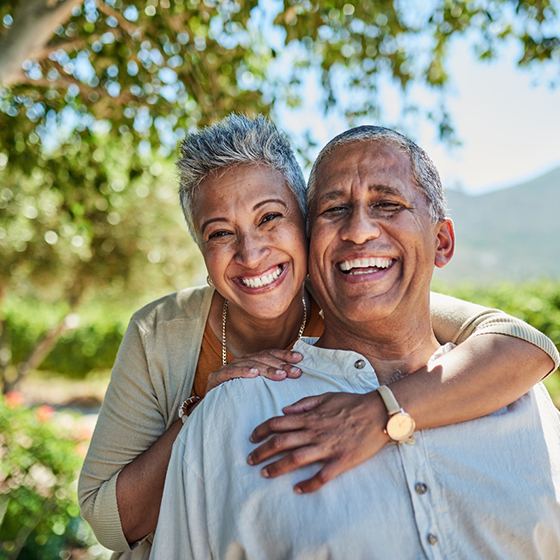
(418, 480)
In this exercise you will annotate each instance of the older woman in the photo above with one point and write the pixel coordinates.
(243, 196)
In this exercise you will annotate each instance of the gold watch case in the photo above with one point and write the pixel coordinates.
(400, 426)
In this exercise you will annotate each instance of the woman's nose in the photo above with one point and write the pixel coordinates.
(360, 227)
(250, 249)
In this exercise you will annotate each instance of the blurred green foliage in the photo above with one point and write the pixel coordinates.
(91, 346)
(41, 452)
(537, 302)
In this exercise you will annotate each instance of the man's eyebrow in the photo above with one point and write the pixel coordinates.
(384, 189)
(331, 195)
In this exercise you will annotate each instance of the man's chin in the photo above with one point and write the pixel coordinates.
(367, 309)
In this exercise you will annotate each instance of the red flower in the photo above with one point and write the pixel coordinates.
(44, 413)
(14, 399)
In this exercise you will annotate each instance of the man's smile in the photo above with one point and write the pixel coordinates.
(364, 265)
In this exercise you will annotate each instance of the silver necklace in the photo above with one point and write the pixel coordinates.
(224, 318)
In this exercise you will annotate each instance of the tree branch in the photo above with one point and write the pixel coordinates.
(33, 26)
(64, 45)
(129, 27)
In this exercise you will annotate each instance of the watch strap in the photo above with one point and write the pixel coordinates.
(389, 399)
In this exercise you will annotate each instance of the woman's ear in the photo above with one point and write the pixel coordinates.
(445, 243)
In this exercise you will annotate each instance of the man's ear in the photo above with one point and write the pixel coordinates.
(445, 243)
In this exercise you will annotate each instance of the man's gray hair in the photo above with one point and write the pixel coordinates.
(424, 171)
(235, 140)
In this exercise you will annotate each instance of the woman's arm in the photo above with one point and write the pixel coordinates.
(480, 376)
(129, 422)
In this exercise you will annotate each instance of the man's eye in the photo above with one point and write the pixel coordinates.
(387, 206)
(334, 210)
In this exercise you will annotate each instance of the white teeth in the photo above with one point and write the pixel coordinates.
(261, 281)
(377, 262)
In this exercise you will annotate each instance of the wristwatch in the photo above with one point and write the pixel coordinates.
(400, 425)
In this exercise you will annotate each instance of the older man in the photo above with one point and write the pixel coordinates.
(487, 488)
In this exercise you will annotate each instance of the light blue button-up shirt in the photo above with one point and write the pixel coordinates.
(484, 489)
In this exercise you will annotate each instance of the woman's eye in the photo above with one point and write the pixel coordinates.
(220, 234)
(270, 217)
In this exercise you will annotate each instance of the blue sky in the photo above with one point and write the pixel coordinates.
(507, 119)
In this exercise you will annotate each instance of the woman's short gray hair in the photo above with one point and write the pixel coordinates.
(424, 171)
(235, 140)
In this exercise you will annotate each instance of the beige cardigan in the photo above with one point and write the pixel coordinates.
(154, 373)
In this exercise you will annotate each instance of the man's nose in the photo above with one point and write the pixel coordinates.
(360, 227)
(251, 248)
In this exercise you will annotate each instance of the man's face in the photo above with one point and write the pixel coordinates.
(373, 245)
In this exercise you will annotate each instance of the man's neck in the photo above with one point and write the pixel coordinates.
(394, 350)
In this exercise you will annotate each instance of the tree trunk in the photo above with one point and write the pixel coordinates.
(5, 353)
(41, 350)
(33, 26)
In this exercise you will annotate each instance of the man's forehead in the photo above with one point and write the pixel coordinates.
(362, 152)
(362, 160)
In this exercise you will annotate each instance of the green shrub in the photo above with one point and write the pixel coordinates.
(91, 346)
(41, 453)
(537, 303)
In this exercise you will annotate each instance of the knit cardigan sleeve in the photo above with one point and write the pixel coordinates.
(153, 373)
(455, 320)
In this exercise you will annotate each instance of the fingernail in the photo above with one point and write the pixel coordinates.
(298, 490)
(254, 371)
(280, 372)
(264, 472)
(252, 438)
(250, 460)
(295, 370)
(298, 354)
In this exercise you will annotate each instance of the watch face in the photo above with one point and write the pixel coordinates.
(400, 426)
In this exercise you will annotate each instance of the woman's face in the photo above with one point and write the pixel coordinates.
(253, 238)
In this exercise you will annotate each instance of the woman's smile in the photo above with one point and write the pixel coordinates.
(265, 279)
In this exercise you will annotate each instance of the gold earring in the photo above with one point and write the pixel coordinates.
(209, 280)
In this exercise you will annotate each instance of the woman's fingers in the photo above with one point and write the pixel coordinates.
(276, 425)
(275, 360)
(304, 405)
(341, 430)
(272, 364)
(231, 371)
(328, 472)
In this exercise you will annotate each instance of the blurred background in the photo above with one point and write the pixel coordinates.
(95, 96)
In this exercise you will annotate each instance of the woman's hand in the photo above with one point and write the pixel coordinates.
(272, 364)
(340, 429)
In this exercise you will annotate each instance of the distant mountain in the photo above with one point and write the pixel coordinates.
(510, 234)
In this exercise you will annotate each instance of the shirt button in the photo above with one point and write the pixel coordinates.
(432, 539)
(420, 488)
(411, 440)
(359, 364)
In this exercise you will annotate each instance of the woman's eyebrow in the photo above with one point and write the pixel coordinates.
(211, 221)
(263, 202)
